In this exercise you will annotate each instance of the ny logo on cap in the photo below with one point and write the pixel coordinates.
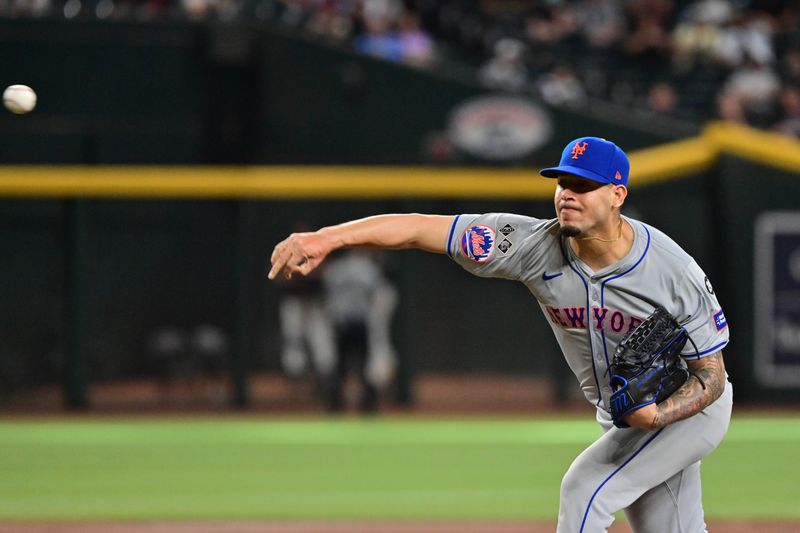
(579, 149)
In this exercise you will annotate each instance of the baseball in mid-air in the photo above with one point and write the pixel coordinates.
(19, 99)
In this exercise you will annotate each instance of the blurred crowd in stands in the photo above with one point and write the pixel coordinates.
(694, 60)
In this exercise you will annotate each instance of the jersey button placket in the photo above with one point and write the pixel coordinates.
(594, 292)
(599, 358)
(597, 332)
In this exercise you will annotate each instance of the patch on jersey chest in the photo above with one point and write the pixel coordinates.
(478, 242)
(505, 246)
(719, 320)
(507, 230)
(507, 240)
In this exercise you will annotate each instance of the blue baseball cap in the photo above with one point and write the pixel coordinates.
(592, 158)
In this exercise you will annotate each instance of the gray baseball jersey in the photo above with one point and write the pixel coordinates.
(590, 312)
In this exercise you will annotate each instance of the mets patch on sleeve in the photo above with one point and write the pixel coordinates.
(478, 242)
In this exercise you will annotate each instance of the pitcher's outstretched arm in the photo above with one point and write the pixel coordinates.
(300, 253)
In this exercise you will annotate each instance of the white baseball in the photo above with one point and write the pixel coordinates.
(19, 99)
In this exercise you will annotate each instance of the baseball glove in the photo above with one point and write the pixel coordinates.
(647, 366)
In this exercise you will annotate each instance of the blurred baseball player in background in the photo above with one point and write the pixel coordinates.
(360, 302)
(339, 322)
(596, 275)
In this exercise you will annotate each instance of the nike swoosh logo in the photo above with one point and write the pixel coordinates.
(548, 277)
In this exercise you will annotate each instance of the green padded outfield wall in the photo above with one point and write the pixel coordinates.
(155, 263)
(151, 261)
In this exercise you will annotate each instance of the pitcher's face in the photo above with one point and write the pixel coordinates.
(584, 205)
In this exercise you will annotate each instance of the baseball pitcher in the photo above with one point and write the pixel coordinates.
(634, 314)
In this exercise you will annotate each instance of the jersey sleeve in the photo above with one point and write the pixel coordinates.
(705, 323)
(490, 245)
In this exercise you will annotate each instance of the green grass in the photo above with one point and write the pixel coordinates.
(327, 469)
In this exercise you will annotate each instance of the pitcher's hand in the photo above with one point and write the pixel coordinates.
(300, 253)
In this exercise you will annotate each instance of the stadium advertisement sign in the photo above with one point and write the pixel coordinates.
(777, 299)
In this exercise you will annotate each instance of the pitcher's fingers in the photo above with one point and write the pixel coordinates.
(273, 271)
(277, 251)
(305, 268)
(310, 264)
(281, 255)
(293, 265)
(299, 261)
(278, 263)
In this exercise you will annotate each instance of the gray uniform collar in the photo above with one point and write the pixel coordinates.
(638, 248)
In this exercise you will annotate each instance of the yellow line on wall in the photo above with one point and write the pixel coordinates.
(667, 162)
(764, 147)
(297, 182)
(272, 182)
(670, 161)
